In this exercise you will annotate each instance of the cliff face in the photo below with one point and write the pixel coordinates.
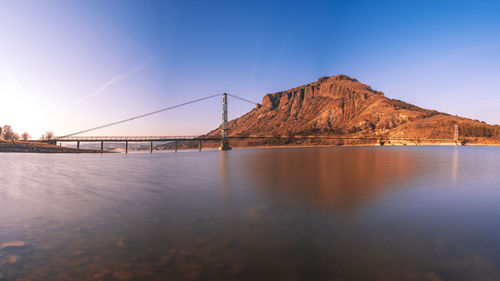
(340, 105)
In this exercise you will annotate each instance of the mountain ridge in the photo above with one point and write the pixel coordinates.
(341, 105)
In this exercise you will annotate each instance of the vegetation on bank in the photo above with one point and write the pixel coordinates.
(487, 131)
(8, 134)
(11, 141)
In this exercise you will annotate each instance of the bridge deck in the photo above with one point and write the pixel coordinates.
(204, 138)
(132, 138)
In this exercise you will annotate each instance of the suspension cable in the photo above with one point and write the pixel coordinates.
(243, 99)
(139, 116)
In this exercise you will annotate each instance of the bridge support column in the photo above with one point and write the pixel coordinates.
(78, 146)
(151, 151)
(224, 145)
(126, 147)
(175, 146)
(199, 145)
(102, 146)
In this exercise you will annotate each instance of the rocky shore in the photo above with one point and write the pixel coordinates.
(38, 147)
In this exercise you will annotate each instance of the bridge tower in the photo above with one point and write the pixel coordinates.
(224, 145)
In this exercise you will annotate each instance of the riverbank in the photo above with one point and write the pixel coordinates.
(193, 145)
(39, 147)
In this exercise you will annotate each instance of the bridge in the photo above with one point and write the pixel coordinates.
(223, 138)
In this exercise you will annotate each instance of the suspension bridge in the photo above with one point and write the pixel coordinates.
(224, 137)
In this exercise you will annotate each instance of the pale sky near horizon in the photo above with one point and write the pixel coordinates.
(70, 65)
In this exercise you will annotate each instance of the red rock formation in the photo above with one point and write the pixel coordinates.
(340, 105)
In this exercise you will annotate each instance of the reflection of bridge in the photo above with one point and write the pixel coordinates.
(223, 138)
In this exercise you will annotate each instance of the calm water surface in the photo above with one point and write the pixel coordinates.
(421, 213)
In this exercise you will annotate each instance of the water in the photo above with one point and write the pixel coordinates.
(386, 213)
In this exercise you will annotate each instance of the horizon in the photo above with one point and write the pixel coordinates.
(69, 66)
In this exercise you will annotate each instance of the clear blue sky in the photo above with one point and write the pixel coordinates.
(69, 65)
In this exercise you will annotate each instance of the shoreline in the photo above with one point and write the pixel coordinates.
(38, 147)
(332, 145)
(29, 147)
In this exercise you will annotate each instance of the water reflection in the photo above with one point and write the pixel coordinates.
(253, 214)
(454, 169)
(335, 179)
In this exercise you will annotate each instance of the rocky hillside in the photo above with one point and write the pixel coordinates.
(341, 105)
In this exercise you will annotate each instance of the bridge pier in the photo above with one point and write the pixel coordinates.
(199, 145)
(126, 147)
(102, 146)
(78, 146)
(151, 151)
(175, 146)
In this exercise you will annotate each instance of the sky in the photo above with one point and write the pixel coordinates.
(69, 65)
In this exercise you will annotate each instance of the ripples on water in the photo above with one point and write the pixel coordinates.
(422, 213)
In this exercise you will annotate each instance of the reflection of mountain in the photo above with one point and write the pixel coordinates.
(329, 179)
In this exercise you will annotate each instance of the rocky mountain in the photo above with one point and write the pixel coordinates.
(342, 106)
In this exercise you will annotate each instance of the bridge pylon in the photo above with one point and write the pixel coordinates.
(224, 145)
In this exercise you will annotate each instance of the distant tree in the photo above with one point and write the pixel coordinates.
(472, 130)
(49, 135)
(8, 133)
(25, 136)
(276, 135)
(291, 137)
